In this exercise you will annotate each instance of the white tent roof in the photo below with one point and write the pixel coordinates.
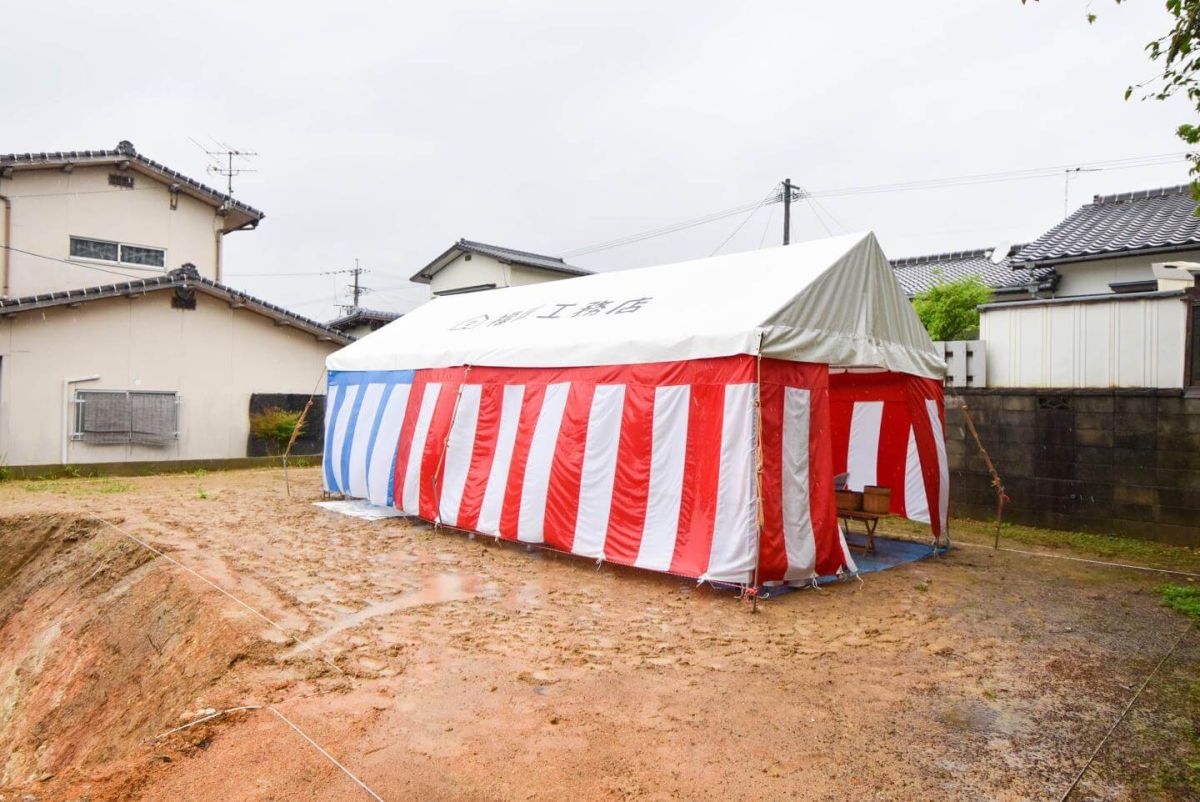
(833, 301)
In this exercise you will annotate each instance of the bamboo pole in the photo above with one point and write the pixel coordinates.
(758, 474)
(296, 432)
(997, 482)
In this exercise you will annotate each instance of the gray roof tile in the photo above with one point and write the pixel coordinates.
(184, 278)
(1149, 221)
(919, 273)
(362, 315)
(124, 150)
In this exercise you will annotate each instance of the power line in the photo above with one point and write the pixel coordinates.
(770, 196)
(1126, 163)
(1007, 175)
(74, 263)
(669, 229)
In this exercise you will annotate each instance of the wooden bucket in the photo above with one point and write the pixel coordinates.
(849, 500)
(877, 499)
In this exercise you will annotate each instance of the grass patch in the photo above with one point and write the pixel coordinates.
(1182, 599)
(76, 487)
(1113, 548)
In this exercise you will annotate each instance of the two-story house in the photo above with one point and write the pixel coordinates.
(118, 340)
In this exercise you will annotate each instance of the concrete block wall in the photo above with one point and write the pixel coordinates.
(1105, 461)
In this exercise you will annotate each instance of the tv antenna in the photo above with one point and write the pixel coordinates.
(221, 162)
(1067, 185)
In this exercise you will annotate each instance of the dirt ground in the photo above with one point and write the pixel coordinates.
(435, 666)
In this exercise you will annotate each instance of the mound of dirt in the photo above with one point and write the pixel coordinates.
(102, 647)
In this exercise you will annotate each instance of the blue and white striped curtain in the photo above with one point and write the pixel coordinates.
(363, 414)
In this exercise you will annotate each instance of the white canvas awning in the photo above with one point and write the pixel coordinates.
(833, 301)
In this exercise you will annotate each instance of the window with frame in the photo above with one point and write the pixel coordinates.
(110, 417)
(117, 252)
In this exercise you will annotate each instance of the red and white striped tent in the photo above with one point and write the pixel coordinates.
(687, 418)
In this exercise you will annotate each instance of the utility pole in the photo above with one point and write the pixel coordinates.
(787, 211)
(357, 271)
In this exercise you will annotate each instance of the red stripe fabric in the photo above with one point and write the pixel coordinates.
(628, 515)
(432, 468)
(827, 400)
(918, 391)
(778, 375)
(723, 370)
(406, 436)
(486, 431)
(562, 496)
(772, 553)
(530, 409)
(904, 411)
(830, 557)
(701, 479)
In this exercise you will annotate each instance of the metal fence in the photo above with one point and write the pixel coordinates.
(117, 416)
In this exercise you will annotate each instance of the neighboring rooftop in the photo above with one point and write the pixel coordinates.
(1150, 221)
(184, 278)
(126, 154)
(919, 273)
(375, 318)
(503, 255)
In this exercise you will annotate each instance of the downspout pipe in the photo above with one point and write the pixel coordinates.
(66, 412)
(6, 254)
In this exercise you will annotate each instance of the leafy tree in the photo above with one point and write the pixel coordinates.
(1178, 51)
(947, 309)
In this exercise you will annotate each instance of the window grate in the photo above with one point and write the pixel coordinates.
(111, 417)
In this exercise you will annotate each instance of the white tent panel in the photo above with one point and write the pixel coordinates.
(833, 301)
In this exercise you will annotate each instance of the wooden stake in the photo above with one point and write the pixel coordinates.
(997, 483)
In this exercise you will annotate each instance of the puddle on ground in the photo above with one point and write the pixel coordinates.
(975, 716)
(437, 589)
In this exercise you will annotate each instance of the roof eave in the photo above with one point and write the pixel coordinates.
(147, 286)
(425, 274)
(143, 165)
(1096, 257)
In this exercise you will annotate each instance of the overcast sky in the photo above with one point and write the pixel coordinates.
(388, 131)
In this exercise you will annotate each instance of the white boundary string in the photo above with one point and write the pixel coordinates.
(1079, 559)
(1124, 713)
(328, 756)
(290, 636)
(203, 719)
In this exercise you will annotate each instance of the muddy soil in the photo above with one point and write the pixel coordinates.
(437, 666)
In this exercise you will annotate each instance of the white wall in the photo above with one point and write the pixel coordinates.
(1093, 277)
(480, 269)
(214, 356)
(1117, 343)
(49, 206)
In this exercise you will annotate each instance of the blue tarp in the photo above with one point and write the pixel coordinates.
(888, 554)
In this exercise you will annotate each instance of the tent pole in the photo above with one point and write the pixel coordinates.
(758, 474)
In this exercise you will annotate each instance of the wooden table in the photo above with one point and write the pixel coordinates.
(870, 521)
